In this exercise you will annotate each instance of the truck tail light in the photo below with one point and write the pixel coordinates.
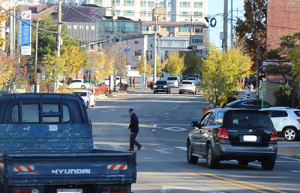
(114, 190)
(26, 190)
(274, 136)
(223, 134)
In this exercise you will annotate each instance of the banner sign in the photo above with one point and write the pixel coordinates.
(26, 32)
(266, 63)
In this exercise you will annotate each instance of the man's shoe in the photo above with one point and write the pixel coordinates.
(130, 149)
(140, 148)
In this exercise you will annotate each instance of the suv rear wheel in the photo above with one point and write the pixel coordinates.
(268, 164)
(290, 134)
(190, 158)
(211, 161)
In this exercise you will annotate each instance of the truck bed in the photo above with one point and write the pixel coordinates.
(96, 167)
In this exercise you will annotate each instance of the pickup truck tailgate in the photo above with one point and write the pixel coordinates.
(97, 167)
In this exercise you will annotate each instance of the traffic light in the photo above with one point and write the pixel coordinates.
(190, 47)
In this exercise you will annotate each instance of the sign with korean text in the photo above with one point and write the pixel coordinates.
(93, 11)
(26, 32)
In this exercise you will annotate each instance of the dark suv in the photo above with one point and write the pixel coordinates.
(249, 104)
(161, 86)
(225, 134)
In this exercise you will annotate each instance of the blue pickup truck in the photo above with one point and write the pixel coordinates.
(46, 146)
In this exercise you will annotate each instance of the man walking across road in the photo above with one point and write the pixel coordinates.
(134, 130)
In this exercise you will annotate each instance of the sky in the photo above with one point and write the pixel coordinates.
(216, 7)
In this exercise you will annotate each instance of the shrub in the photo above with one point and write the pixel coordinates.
(283, 96)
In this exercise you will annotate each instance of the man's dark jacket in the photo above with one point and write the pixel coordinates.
(134, 123)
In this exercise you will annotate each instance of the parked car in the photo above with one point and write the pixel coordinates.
(161, 86)
(87, 96)
(239, 134)
(174, 81)
(286, 121)
(195, 79)
(187, 86)
(251, 103)
(105, 81)
(78, 83)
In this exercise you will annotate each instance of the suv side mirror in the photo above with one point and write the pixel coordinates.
(194, 124)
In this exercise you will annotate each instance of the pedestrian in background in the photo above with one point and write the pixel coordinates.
(248, 92)
(251, 87)
(130, 82)
(134, 130)
(133, 82)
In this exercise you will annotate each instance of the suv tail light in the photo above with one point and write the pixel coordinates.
(25, 190)
(223, 134)
(298, 120)
(274, 136)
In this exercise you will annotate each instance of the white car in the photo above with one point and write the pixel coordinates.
(78, 83)
(196, 80)
(187, 86)
(87, 96)
(286, 121)
(105, 81)
(173, 81)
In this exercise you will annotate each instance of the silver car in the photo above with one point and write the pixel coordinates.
(286, 121)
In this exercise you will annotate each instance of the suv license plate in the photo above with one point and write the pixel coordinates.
(250, 138)
(69, 190)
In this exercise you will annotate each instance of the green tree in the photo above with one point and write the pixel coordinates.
(192, 63)
(175, 63)
(253, 28)
(289, 51)
(220, 72)
(141, 64)
(47, 40)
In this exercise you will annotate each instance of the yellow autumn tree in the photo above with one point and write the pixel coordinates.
(7, 66)
(72, 58)
(100, 66)
(160, 66)
(175, 63)
(53, 68)
(220, 72)
(141, 65)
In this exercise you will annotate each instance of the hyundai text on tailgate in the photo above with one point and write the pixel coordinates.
(225, 134)
(46, 146)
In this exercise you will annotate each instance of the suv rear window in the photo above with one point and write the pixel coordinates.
(172, 78)
(161, 82)
(297, 113)
(242, 119)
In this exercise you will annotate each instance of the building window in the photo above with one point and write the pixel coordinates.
(151, 55)
(199, 51)
(144, 28)
(151, 3)
(118, 12)
(171, 4)
(198, 14)
(198, 30)
(168, 43)
(143, 13)
(143, 3)
(184, 4)
(128, 2)
(179, 43)
(184, 29)
(129, 13)
(185, 13)
(170, 29)
(136, 42)
(91, 46)
(117, 3)
(198, 4)
(197, 40)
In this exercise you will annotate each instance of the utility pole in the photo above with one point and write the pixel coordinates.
(58, 41)
(114, 31)
(155, 44)
(191, 31)
(36, 53)
(231, 40)
(257, 72)
(225, 20)
(18, 47)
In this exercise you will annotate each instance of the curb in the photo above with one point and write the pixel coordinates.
(297, 156)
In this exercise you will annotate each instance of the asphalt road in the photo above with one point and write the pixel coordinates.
(162, 167)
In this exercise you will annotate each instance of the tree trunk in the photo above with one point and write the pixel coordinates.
(48, 89)
(64, 83)
(293, 96)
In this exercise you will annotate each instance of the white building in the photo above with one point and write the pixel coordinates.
(175, 10)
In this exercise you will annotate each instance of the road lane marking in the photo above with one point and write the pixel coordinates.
(154, 125)
(222, 181)
(167, 113)
(163, 150)
(175, 129)
(225, 182)
(172, 124)
(167, 188)
(104, 126)
(295, 171)
(181, 148)
(255, 185)
(168, 119)
(153, 130)
(176, 107)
